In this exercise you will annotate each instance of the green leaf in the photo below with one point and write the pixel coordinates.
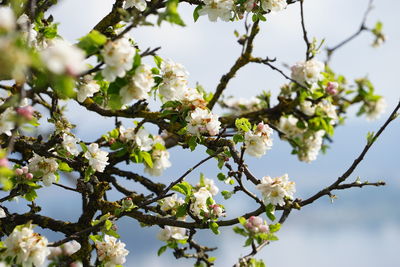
(158, 60)
(181, 211)
(31, 195)
(92, 42)
(214, 227)
(243, 124)
(270, 211)
(238, 138)
(83, 146)
(161, 250)
(274, 227)
(62, 166)
(137, 60)
(226, 194)
(108, 224)
(196, 14)
(147, 158)
(240, 231)
(221, 176)
(248, 242)
(242, 220)
(370, 138)
(184, 188)
(192, 143)
(64, 86)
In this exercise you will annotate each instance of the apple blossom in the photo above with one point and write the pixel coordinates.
(273, 5)
(111, 252)
(275, 190)
(307, 71)
(217, 9)
(139, 85)
(98, 159)
(44, 168)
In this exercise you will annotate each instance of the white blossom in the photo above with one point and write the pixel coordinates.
(2, 213)
(217, 9)
(28, 247)
(61, 57)
(160, 162)
(7, 123)
(273, 5)
(307, 72)
(139, 85)
(329, 110)
(143, 140)
(139, 4)
(98, 159)
(288, 125)
(201, 121)
(240, 105)
(27, 29)
(172, 233)
(209, 184)
(274, 190)
(7, 19)
(171, 202)
(71, 247)
(70, 144)
(258, 141)
(87, 89)
(44, 167)
(199, 202)
(311, 145)
(375, 109)
(174, 81)
(308, 108)
(111, 252)
(118, 56)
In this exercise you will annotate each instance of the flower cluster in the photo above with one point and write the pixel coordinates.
(98, 159)
(275, 190)
(26, 247)
(139, 85)
(256, 225)
(66, 249)
(169, 204)
(202, 202)
(118, 56)
(70, 144)
(171, 233)
(45, 168)
(88, 88)
(202, 121)
(308, 72)
(217, 9)
(60, 57)
(374, 109)
(139, 4)
(174, 81)
(273, 5)
(258, 141)
(111, 252)
(324, 106)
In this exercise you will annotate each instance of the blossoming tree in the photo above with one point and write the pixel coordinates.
(39, 71)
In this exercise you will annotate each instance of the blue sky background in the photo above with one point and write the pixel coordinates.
(362, 227)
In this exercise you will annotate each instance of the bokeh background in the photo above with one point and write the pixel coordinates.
(361, 227)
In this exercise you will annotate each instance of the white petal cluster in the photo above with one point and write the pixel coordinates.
(174, 83)
(7, 19)
(2, 213)
(70, 144)
(139, 85)
(118, 56)
(111, 252)
(288, 125)
(375, 109)
(66, 249)
(27, 30)
(98, 159)
(170, 203)
(202, 121)
(139, 4)
(307, 71)
(311, 145)
(88, 88)
(61, 57)
(217, 9)
(209, 184)
(28, 247)
(199, 201)
(275, 190)
(273, 5)
(258, 141)
(142, 138)
(160, 162)
(170, 233)
(7, 123)
(309, 109)
(241, 105)
(43, 167)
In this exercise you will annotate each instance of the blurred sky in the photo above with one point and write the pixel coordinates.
(362, 227)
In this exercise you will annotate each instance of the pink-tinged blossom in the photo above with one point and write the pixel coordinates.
(275, 190)
(111, 252)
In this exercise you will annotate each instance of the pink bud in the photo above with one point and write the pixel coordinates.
(264, 228)
(256, 221)
(26, 112)
(260, 126)
(19, 171)
(25, 169)
(332, 88)
(29, 176)
(249, 226)
(4, 162)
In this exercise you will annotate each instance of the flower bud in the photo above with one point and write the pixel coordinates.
(29, 176)
(19, 171)
(26, 112)
(25, 169)
(256, 221)
(4, 162)
(264, 228)
(332, 88)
